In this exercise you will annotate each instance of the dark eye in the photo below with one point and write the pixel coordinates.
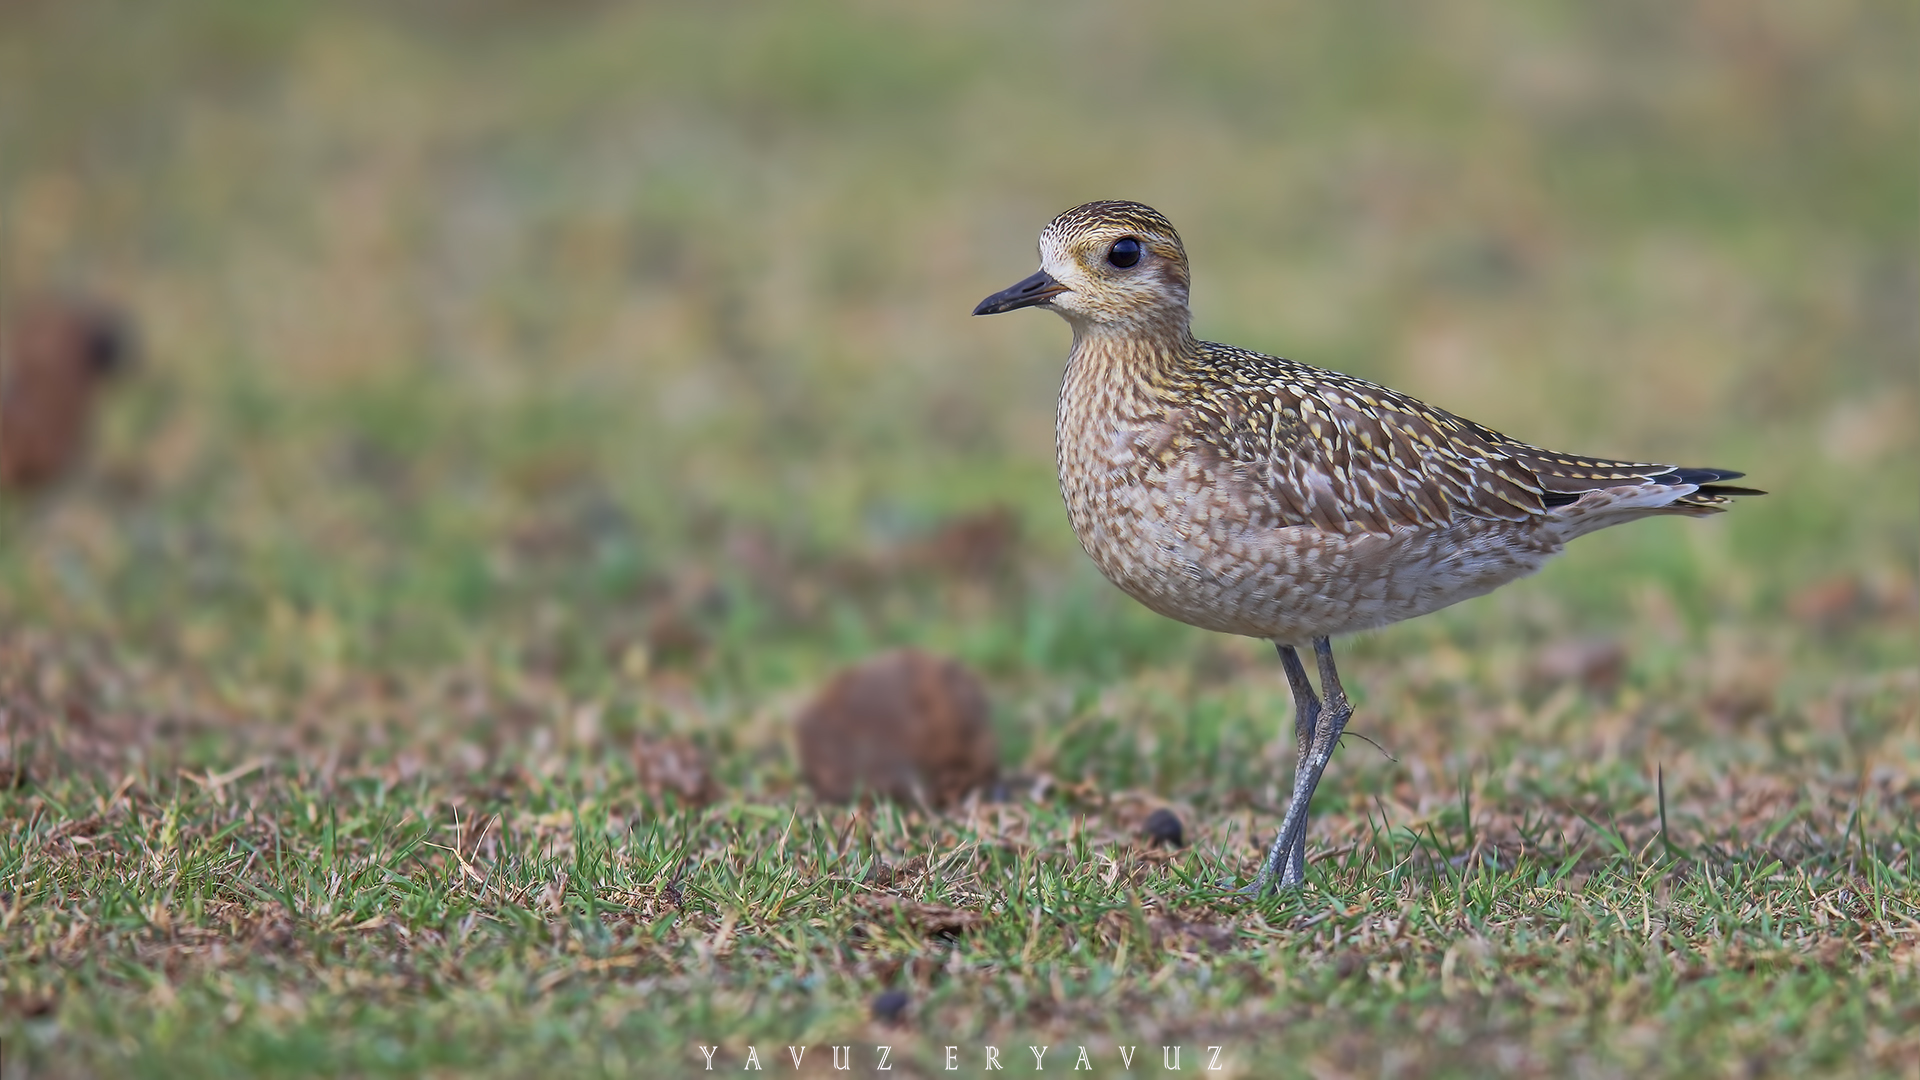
(1124, 253)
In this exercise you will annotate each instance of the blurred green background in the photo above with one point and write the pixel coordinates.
(498, 336)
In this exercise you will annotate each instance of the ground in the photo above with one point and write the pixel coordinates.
(537, 406)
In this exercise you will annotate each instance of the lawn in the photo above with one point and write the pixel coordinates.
(533, 390)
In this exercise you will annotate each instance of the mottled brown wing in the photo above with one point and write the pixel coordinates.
(1347, 456)
(1392, 461)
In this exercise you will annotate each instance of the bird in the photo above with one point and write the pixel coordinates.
(55, 354)
(1254, 495)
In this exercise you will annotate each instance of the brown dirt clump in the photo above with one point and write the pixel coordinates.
(903, 724)
(54, 355)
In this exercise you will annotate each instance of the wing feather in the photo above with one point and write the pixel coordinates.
(1349, 456)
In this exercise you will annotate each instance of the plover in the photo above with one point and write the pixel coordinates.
(1253, 495)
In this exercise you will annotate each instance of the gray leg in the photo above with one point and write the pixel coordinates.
(1306, 711)
(1283, 867)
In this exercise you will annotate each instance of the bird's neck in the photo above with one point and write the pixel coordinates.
(1132, 359)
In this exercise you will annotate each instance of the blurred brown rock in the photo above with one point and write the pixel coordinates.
(903, 724)
(674, 767)
(55, 353)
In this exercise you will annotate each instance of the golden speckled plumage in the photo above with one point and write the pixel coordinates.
(1253, 495)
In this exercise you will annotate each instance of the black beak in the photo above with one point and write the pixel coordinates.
(1037, 289)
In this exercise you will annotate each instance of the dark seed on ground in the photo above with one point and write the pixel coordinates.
(890, 1006)
(1163, 827)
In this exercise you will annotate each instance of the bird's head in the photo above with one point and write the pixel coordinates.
(1110, 266)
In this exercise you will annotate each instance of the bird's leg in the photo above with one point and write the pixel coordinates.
(1335, 710)
(1306, 711)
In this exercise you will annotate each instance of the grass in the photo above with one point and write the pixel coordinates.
(532, 389)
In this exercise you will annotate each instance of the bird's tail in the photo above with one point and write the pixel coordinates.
(1657, 490)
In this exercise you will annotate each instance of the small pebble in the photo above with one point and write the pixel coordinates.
(1163, 827)
(890, 1007)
